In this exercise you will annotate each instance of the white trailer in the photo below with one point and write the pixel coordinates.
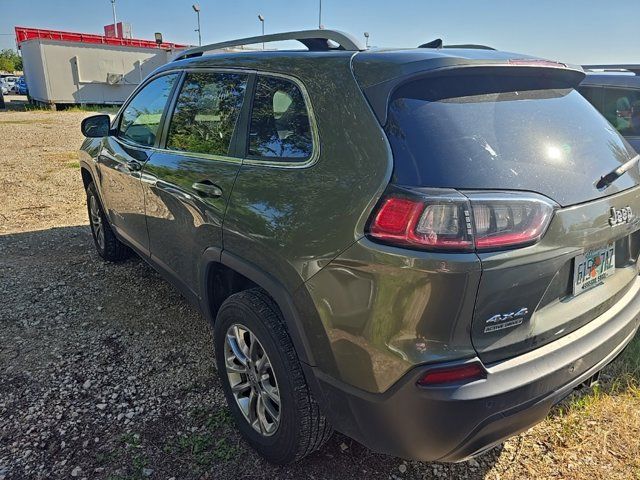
(68, 68)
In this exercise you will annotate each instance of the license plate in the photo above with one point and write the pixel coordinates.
(592, 267)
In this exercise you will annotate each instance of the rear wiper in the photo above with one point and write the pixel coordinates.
(615, 174)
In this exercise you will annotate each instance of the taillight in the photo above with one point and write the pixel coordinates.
(456, 374)
(449, 220)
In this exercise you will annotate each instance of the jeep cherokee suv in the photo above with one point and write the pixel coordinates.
(424, 249)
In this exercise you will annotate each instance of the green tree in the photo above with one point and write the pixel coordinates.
(10, 60)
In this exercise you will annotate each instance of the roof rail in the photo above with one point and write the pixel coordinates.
(635, 68)
(438, 43)
(315, 40)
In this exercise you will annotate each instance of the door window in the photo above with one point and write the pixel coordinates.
(206, 113)
(140, 120)
(280, 126)
(622, 109)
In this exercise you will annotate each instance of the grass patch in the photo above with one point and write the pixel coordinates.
(73, 165)
(203, 449)
(130, 439)
(219, 418)
(108, 109)
(107, 457)
(70, 157)
(621, 377)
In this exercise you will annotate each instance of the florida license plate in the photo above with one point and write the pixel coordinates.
(592, 267)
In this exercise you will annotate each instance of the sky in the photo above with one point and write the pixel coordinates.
(574, 31)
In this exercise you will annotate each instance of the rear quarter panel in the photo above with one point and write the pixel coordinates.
(291, 222)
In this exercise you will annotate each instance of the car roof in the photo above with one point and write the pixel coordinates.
(372, 65)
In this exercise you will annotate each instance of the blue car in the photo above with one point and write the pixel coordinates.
(615, 91)
(21, 87)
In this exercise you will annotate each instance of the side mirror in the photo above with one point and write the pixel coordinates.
(96, 126)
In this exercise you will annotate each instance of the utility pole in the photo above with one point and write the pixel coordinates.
(320, 16)
(261, 18)
(196, 8)
(115, 20)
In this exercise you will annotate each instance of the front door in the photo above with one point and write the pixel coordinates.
(123, 156)
(188, 182)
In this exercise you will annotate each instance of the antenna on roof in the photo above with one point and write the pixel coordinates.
(437, 43)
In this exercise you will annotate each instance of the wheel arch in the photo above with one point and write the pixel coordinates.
(87, 176)
(215, 260)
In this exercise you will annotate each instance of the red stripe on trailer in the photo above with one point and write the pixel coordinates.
(24, 33)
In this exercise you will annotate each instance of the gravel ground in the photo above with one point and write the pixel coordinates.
(106, 372)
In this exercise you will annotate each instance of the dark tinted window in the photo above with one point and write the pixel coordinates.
(206, 112)
(279, 121)
(502, 136)
(141, 118)
(622, 109)
(593, 95)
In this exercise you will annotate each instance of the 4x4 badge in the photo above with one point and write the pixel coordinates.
(505, 320)
(622, 215)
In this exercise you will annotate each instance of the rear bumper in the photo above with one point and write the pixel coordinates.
(455, 422)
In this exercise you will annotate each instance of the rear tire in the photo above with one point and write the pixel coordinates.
(107, 245)
(249, 322)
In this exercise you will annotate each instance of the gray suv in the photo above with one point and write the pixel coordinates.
(424, 249)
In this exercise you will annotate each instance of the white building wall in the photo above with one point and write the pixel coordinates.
(71, 72)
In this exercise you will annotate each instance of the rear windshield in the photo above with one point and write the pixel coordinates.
(501, 133)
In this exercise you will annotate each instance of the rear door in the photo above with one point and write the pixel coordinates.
(123, 155)
(188, 181)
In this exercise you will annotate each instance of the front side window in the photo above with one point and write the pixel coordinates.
(280, 126)
(622, 109)
(206, 112)
(140, 120)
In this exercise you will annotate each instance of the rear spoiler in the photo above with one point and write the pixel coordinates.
(557, 75)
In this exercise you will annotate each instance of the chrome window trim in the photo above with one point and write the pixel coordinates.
(315, 137)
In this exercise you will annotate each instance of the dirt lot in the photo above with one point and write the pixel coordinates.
(105, 372)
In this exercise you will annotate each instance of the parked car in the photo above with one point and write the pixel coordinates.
(4, 87)
(615, 91)
(10, 82)
(21, 87)
(424, 249)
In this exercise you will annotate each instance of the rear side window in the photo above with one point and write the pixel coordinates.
(206, 113)
(280, 127)
(622, 109)
(140, 120)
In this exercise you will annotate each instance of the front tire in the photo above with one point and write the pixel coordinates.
(263, 380)
(107, 245)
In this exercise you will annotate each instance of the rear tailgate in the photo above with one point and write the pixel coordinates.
(540, 279)
(518, 129)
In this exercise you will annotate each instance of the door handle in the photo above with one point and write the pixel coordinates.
(207, 189)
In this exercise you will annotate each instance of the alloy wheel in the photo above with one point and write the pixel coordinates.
(252, 380)
(96, 221)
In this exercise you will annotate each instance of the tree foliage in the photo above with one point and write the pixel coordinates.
(10, 60)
